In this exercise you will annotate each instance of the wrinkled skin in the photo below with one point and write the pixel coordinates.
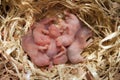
(61, 57)
(40, 32)
(40, 45)
(72, 25)
(79, 44)
(58, 55)
(52, 49)
(39, 36)
(54, 32)
(47, 44)
(33, 51)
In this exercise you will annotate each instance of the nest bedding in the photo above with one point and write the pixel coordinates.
(103, 55)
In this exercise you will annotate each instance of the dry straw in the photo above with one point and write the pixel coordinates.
(103, 55)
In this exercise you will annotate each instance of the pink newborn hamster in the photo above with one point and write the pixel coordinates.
(47, 44)
(52, 49)
(72, 25)
(32, 50)
(79, 44)
(40, 37)
(54, 32)
(61, 57)
(40, 32)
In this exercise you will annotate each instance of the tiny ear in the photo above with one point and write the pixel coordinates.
(88, 39)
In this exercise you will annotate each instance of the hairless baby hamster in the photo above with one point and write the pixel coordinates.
(47, 43)
(79, 44)
(32, 50)
(72, 25)
(40, 33)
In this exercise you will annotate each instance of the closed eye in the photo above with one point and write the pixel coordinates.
(88, 39)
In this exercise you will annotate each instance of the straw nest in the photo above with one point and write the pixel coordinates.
(103, 55)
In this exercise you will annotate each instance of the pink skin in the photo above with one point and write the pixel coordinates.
(78, 45)
(33, 51)
(30, 45)
(57, 55)
(39, 36)
(54, 32)
(61, 57)
(47, 45)
(72, 25)
(40, 33)
(52, 49)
